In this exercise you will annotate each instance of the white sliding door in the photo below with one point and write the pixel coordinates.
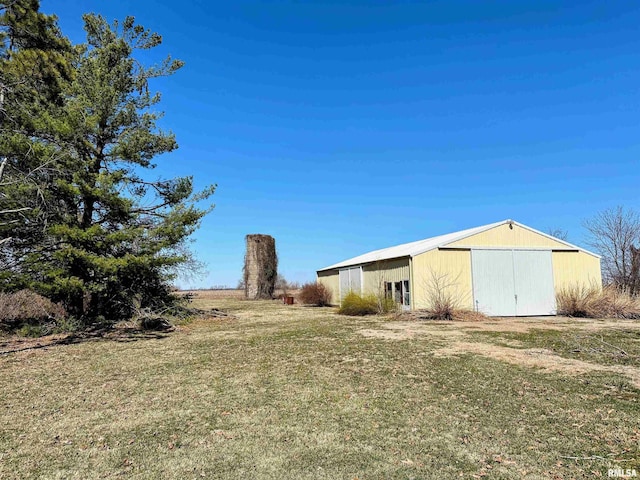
(533, 274)
(350, 281)
(513, 282)
(493, 284)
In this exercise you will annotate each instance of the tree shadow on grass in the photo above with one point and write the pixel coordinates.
(110, 333)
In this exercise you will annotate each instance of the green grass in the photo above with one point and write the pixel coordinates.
(295, 392)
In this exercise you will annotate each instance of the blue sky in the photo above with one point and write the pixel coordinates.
(343, 127)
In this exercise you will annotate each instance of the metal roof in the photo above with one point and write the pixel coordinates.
(421, 246)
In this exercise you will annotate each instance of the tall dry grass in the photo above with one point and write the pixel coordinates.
(593, 302)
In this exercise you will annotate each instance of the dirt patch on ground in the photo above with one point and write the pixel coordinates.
(537, 358)
(516, 325)
(461, 342)
(409, 329)
(525, 324)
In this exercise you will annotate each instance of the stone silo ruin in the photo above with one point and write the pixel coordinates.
(260, 267)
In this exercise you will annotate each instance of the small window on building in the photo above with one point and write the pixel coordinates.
(406, 300)
(398, 292)
(388, 290)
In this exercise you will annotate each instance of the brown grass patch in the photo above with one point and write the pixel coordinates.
(213, 294)
(456, 328)
(456, 315)
(233, 294)
(407, 330)
(537, 358)
(403, 329)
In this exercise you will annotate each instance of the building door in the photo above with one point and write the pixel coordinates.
(493, 284)
(513, 282)
(402, 296)
(350, 281)
(397, 290)
(533, 275)
(406, 295)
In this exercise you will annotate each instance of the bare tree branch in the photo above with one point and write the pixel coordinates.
(614, 234)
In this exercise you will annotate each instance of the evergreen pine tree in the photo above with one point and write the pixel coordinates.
(112, 239)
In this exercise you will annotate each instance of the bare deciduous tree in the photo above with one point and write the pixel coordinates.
(614, 234)
(282, 284)
(558, 233)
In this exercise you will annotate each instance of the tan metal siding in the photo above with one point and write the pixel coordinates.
(569, 268)
(331, 280)
(503, 236)
(576, 269)
(451, 267)
(375, 274)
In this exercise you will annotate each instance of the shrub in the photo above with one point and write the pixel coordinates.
(315, 294)
(67, 324)
(444, 308)
(28, 307)
(358, 305)
(443, 300)
(593, 302)
(32, 331)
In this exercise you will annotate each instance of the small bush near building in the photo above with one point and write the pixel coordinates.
(443, 309)
(442, 297)
(358, 305)
(593, 302)
(315, 294)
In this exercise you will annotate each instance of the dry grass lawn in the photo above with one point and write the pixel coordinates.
(296, 392)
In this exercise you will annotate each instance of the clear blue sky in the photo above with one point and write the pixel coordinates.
(341, 127)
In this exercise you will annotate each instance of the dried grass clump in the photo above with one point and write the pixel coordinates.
(315, 294)
(469, 316)
(26, 306)
(359, 305)
(576, 300)
(593, 302)
(443, 307)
